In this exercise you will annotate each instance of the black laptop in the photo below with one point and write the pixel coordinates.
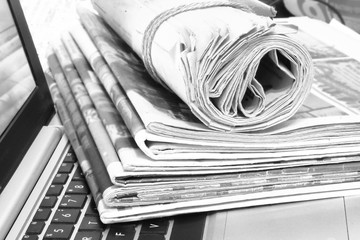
(43, 194)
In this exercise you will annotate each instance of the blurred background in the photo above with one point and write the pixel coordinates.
(345, 11)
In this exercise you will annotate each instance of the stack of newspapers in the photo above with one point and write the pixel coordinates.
(175, 107)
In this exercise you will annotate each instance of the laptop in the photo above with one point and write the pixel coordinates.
(43, 194)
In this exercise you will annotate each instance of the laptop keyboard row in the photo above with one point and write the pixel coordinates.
(67, 211)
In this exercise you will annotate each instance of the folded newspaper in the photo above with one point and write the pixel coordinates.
(96, 76)
(226, 60)
(164, 127)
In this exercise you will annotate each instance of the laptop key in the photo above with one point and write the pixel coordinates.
(70, 157)
(60, 178)
(77, 187)
(54, 190)
(194, 223)
(91, 235)
(155, 226)
(91, 223)
(48, 202)
(66, 216)
(73, 201)
(35, 227)
(30, 237)
(121, 232)
(59, 231)
(66, 168)
(42, 214)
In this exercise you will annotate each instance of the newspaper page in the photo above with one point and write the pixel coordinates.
(337, 64)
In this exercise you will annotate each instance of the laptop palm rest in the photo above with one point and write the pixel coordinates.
(311, 220)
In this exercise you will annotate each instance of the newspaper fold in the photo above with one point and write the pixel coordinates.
(227, 60)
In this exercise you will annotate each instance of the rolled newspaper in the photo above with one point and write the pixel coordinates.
(228, 61)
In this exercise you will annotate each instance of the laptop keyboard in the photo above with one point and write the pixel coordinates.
(67, 211)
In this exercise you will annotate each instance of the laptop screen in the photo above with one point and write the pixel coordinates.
(25, 102)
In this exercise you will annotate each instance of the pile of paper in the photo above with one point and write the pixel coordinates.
(145, 154)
